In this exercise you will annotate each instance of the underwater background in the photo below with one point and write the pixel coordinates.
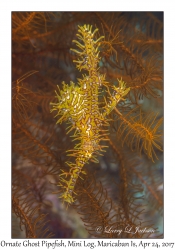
(124, 190)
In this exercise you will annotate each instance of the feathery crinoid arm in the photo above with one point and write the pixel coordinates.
(79, 105)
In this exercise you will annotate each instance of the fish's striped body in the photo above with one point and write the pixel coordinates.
(79, 105)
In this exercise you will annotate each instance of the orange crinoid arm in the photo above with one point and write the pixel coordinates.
(79, 105)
